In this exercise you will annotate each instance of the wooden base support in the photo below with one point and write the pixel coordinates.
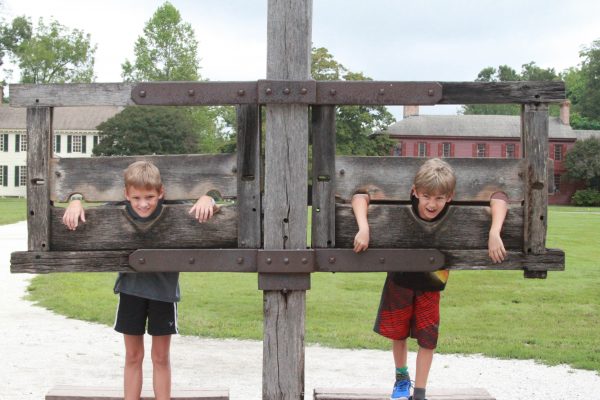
(114, 393)
(377, 394)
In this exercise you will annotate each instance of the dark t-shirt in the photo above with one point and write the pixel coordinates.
(425, 281)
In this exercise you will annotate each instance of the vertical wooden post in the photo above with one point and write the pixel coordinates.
(534, 132)
(286, 159)
(248, 176)
(323, 182)
(39, 151)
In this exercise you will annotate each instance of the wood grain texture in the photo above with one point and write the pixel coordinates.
(68, 392)
(502, 92)
(111, 228)
(71, 95)
(185, 177)
(396, 226)
(323, 176)
(39, 152)
(383, 394)
(390, 178)
(248, 176)
(37, 262)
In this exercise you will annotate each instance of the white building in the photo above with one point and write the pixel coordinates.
(75, 135)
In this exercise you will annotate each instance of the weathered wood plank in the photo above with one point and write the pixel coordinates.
(71, 94)
(502, 92)
(551, 260)
(382, 394)
(36, 262)
(186, 176)
(39, 152)
(111, 228)
(396, 226)
(64, 392)
(390, 178)
(289, 41)
(323, 177)
(248, 176)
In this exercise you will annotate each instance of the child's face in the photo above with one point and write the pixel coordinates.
(430, 204)
(143, 201)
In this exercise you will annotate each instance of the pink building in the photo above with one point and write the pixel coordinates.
(496, 136)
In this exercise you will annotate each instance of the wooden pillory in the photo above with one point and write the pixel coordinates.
(265, 231)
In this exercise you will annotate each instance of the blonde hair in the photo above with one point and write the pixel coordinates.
(143, 174)
(436, 177)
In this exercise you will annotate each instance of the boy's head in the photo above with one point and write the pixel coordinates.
(433, 186)
(143, 187)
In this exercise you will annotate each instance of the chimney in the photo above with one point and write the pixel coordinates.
(565, 112)
(410, 111)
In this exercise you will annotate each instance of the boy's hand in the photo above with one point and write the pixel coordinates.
(73, 214)
(204, 208)
(496, 248)
(361, 240)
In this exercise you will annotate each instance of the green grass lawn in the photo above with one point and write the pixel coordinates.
(495, 313)
(13, 209)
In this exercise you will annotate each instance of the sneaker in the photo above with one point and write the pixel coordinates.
(401, 390)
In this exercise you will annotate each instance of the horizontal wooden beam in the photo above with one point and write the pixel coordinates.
(391, 178)
(68, 392)
(380, 394)
(327, 92)
(396, 226)
(111, 228)
(185, 176)
(246, 260)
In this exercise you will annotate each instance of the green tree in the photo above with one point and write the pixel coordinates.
(148, 130)
(504, 73)
(355, 125)
(589, 102)
(583, 162)
(52, 53)
(167, 51)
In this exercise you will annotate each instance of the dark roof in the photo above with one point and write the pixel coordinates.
(65, 118)
(475, 126)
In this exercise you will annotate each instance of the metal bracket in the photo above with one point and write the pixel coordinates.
(378, 93)
(193, 260)
(194, 93)
(287, 92)
(285, 261)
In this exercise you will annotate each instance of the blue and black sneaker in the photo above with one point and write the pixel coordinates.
(401, 389)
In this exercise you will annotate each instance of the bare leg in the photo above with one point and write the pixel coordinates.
(134, 355)
(161, 364)
(400, 351)
(424, 360)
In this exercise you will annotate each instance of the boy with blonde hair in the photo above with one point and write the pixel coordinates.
(410, 301)
(152, 296)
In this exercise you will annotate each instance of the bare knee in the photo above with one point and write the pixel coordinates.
(160, 358)
(134, 356)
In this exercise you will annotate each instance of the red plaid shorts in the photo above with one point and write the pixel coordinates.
(406, 312)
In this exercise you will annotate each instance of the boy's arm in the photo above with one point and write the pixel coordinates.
(204, 208)
(360, 206)
(73, 214)
(499, 208)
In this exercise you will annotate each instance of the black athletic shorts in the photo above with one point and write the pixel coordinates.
(133, 311)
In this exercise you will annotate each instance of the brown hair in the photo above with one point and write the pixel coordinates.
(143, 174)
(436, 177)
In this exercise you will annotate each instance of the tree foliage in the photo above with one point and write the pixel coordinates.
(583, 161)
(167, 51)
(355, 125)
(50, 53)
(505, 73)
(148, 130)
(588, 83)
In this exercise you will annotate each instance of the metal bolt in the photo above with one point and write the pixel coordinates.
(304, 260)
(286, 91)
(58, 174)
(303, 91)
(331, 260)
(430, 92)
(342, 171)
(240, 260)
(234, 170)
(268, 91)
(431, 260)
(192, 260)
(142, 93)
(286, 260)
(332, 92)
(191, 92)
(241, 92)
(269, 260)
(381, 92)
(382, 260)
(142, 261)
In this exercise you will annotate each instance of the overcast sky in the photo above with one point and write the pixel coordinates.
(419, 40)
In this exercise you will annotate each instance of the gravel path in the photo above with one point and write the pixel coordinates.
(41, 349)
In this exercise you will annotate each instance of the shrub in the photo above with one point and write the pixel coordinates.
(586, 198)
